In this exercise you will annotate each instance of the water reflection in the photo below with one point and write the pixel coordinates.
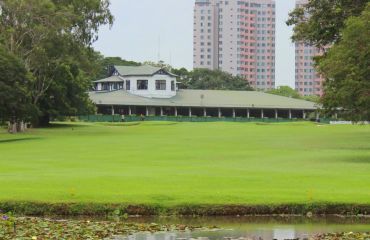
(256, 228)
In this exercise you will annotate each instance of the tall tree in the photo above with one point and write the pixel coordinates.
(319, 22)
(48, 35)
(15, 104)
(347, 70)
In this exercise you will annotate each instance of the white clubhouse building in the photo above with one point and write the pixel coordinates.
(153, 91)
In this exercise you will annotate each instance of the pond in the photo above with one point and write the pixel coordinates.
(253, 227)
(171, 228)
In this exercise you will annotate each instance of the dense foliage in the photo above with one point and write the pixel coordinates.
(106, 62)
(211, 80)
(287, 91)
(344, 26)
(347, 69)
(319, 22)
(15, 101)
(53, 40)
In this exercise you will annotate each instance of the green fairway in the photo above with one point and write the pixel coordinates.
(187, 163)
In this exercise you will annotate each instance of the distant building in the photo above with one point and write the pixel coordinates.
(236, 37)
(147, 90)
(307, 80)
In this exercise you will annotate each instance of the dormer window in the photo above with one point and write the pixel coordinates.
(160, 84)
(142, 84)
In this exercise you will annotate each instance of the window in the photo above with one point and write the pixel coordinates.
(142, 84)
(128, 85)
(172, 85)
(160, 84)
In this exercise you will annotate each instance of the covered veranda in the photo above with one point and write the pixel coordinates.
(261, 113)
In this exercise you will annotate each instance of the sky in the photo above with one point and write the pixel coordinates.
(152, 30)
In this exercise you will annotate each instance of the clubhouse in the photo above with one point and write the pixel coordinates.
(153, 91)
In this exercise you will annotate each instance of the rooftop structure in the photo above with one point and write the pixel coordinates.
(146, 90)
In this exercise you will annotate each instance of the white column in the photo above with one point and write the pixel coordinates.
(112, 110)
(290, 114)
(146, 111)
(219, 113)
(336, 116)
(129, 110)
(262, 113)
(175, 111)
(204, 112)
(234, 113)
(304, 114)
(276, 114)
(161, 111)
(248, 113)
(189, 111)
(317, 116)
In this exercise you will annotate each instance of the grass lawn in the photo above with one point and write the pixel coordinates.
(187, 163)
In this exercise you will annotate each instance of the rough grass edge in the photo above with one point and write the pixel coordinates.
(103, 210)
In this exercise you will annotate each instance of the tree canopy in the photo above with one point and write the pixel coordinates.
(52, 39)
(285, 91)
(319, 22)
(106, 62)
(15, 101)
(211, 80)
(347, 70)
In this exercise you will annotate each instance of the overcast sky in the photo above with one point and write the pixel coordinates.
(145, 30)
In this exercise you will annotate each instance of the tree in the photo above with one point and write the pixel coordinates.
(214, 80)
(49, 35)
(106, 62)
(312, 98)
(15, 101)
(160, 64)
(320, 22)
(347, 70)
(285, 91)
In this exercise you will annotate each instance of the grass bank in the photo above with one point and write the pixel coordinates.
(123, 210)
(187, 168)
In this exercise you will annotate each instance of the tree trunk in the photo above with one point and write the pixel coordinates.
(12, 127)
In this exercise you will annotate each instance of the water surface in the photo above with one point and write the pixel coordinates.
(252, 227)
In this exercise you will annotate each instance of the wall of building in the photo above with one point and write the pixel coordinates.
(205, 35)
(152, 92)
(244, 36)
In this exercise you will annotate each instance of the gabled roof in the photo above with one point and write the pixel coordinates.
(110, 79)
(205, 98)
(144, 70)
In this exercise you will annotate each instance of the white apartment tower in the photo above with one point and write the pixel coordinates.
(236, 36)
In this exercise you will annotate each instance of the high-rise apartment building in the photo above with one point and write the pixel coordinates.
(307, 80)
(236, 36)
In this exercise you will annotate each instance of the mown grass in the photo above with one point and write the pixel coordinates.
(170, 164)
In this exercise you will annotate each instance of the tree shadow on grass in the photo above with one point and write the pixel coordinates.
(358, 159)
(65, 125)
(17, 140)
